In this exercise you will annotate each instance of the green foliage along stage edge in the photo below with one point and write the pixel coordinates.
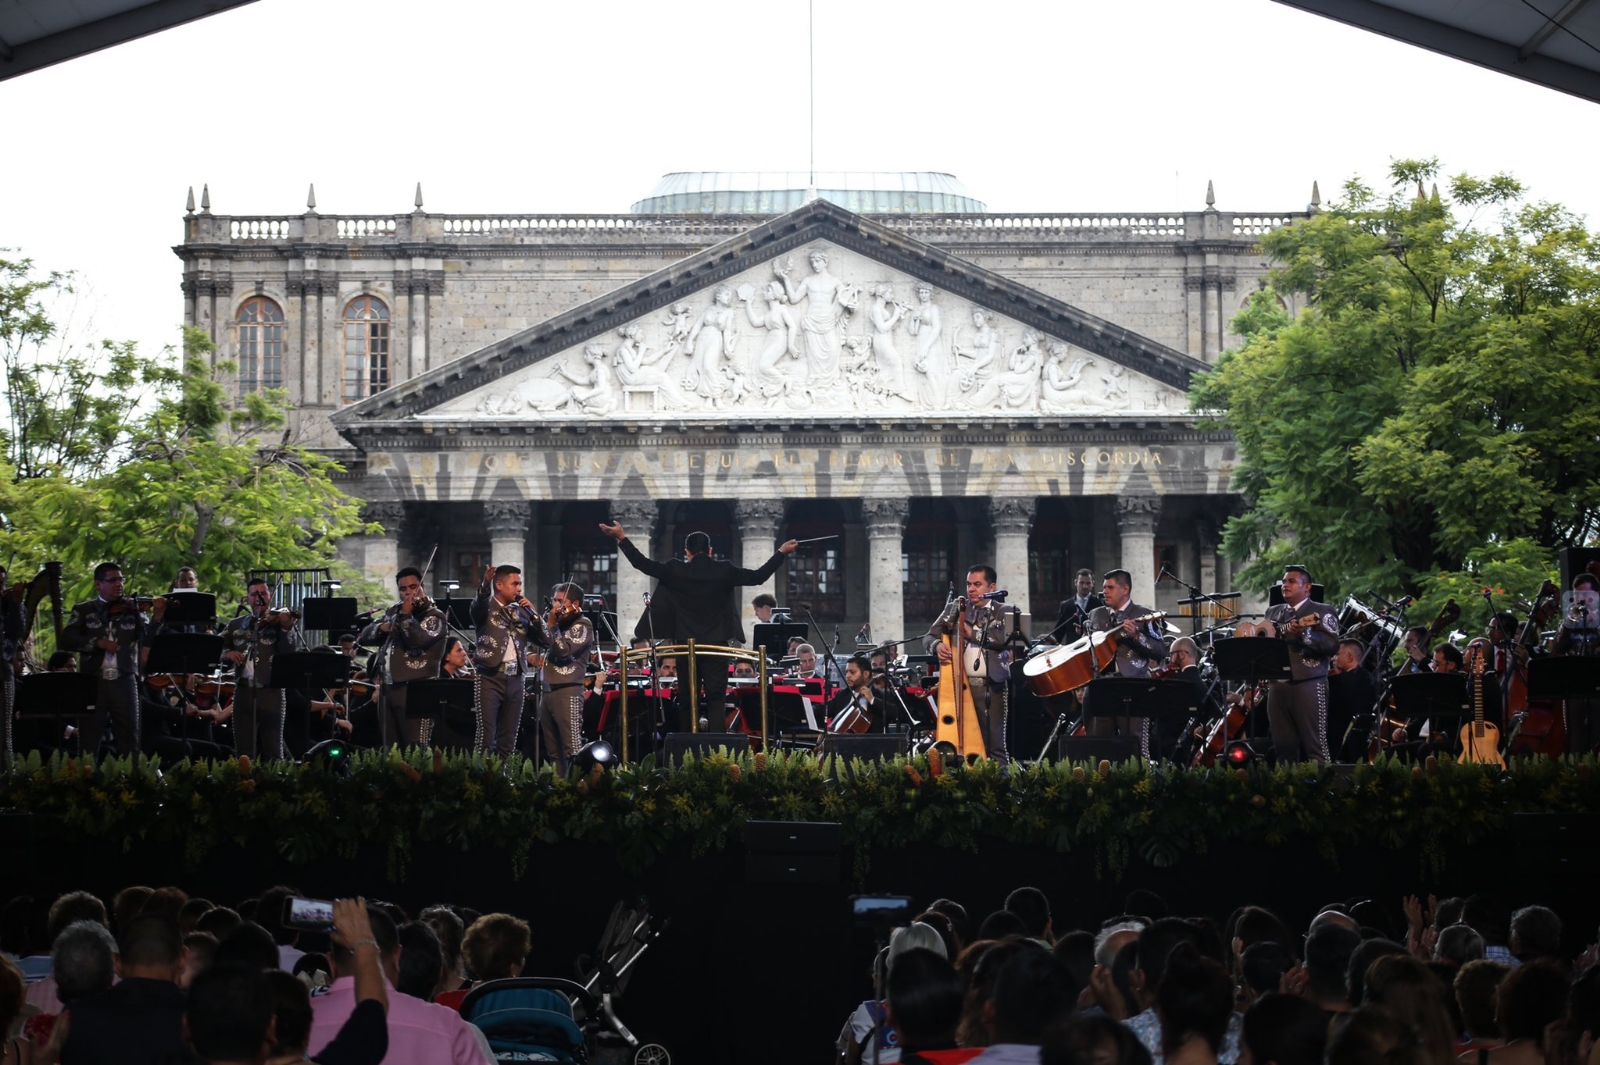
(1116, 813)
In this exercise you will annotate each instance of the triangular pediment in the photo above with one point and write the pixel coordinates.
(817, 315)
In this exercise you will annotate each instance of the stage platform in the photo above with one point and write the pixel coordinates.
(561, 853)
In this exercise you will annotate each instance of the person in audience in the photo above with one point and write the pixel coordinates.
(1369, 1036)
(1283, 1030)
(1491, 918)
(14, 1050)
(219, 921)
(1002, 923)
(869, 1035)
(190, 913)
(83, 960)
(923, 1004)
(1030, 904)
(419, 1032)
(1535, 933)
(1155, 945)
(227, 1018)
(1457, 944)
(70, 908)
(1261, 970)
(364, 1037)
(1104, 993)
(1475, 987)
(959, 921)
(1576, 1036)
(446, 924)
(128, 904)
(140, 1020)
(1195, 1006)
(495, 947)
(421, 962)
(1031, 993)
(269, 915)
(1076, 951)
(1528, 1000)
(1361, 959)
(1406, 989)
(1090, 1039)
(248, 944)
(1327, 965)
(981, 964)
(199, 951)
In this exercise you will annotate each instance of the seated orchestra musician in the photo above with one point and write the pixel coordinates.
(858, 708)
(1352, 694)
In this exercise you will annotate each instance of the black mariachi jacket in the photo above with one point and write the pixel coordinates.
(93, 621)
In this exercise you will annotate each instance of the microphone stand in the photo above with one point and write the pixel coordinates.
(658, 721)
(829, 663)
(1196, 593)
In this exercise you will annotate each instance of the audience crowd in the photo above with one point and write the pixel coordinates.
(157, 977)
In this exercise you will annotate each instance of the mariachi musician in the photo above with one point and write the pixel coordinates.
(1579, 635)
(1139, 646)
(410, 641)
(107, 632)
(567, 637)
(1297, 709)
(253, 642)
(505, 620)
(983, 630)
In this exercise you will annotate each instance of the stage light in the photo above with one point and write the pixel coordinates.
(1240, 755)
(336, 753)
(598, 753)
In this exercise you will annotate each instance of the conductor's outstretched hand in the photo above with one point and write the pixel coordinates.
(614, 530)
(788, 546)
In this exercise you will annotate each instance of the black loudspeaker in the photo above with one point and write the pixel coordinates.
(872, 748)
(1574, 560)
(1111, 749)
(792, 852)
(701, 744)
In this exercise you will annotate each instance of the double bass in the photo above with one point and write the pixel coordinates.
(1537, 726)
(1071, 666)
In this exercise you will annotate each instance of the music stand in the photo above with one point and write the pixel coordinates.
(775, 635)
(304, 670)
(429, 699)
(1131, 697)
(57, 697)
(183, 652)
(185, 607)
(1430, 695)
(329, 614)
(1253, 660)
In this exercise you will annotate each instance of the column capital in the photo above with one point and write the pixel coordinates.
(884, 517)
(1012, 515)
(1138, 514)
(638, 515)
(506, 519)
(757, 514)
(389, 515)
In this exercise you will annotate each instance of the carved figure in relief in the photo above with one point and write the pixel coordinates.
(827, 299)
(708, 340)
(927, 325)
(1115, 380)
(766, 378)
(886, 314)
(678, 320)
(863, 376)
(1060, 380)
(636, 365)
(1017, 386)
(981, 354)
(594, 392)
(541, 394)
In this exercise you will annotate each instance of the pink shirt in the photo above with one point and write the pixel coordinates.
(420, 1033)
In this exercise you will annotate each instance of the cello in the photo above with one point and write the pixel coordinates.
(1538, 726)
(957, 725)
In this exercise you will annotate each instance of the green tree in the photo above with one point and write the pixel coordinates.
(1439, 392)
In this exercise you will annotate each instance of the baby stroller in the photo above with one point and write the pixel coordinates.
(531, 1018)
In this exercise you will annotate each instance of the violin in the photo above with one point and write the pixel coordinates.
(139, 603)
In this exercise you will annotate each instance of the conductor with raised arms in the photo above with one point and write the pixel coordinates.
(699, 590)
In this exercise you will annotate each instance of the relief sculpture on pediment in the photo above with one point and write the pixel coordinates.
(850, 336)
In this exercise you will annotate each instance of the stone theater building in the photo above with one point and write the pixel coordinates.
(875, 359)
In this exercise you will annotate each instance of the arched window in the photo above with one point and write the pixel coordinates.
(366, 348)
(260, 345)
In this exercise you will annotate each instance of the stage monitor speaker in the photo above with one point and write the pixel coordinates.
(703, 743)
(792, 852)
(1574, 560)
(1111, 749)
(872, 748)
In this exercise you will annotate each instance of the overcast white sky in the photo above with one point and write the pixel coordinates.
(509, 106)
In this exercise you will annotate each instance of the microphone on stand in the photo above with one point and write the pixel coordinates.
(865, 635)
(999, 596)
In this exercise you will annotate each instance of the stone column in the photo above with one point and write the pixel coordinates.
(1207, 537)
(638, 518)
(507, 522)
(885, 520)
(1136, 520)
(758, 535)
(383, 548)
(1011, 517)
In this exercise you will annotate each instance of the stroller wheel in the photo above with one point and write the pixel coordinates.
(652, 1054)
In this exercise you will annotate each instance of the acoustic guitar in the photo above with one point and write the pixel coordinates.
(1480, 741)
